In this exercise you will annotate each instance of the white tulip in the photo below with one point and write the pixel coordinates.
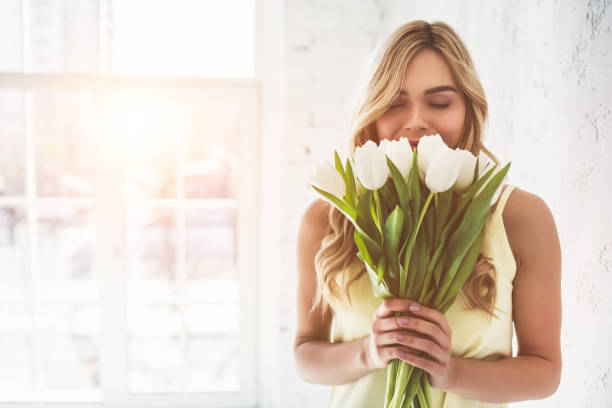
(371, 165)
(483, 164)
(466, 170)
(443, 170)
(327, 178)
(383, 144)
(498, 191)
(400, 153)
(358, 188)
(426, 148)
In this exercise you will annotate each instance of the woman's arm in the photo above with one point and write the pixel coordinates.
(317, 360)
(536, 302)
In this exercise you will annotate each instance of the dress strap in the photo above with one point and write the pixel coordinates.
(501, 201)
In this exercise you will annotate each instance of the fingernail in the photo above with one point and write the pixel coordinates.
(415, 308)
(402, 321)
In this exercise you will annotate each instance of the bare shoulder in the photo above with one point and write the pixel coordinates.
(317, 210)
(315, 221)
(529, 224)
(536, 294)
(313, 228)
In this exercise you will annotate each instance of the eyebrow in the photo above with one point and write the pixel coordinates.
(432, 90)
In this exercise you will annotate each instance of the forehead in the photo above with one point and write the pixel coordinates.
(426, 70)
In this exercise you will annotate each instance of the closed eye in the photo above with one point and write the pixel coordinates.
(441, 106)
(434, 105)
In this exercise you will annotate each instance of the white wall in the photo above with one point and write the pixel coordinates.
(547, 73)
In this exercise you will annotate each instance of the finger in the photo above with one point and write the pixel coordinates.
(434, 316)
(415, 324)
(431, 367)
(389, 307)
(415, 343)
(412, 325)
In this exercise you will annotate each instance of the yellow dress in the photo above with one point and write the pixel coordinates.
(474, 333)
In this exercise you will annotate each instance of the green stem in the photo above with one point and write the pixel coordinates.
(427, 390)
(404, 374)
(391, 374)
(411, 245)
(378, 212)
(421, 395)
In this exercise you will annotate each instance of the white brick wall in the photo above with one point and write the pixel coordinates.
(546, 73)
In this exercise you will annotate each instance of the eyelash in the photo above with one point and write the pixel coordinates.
(434, 105)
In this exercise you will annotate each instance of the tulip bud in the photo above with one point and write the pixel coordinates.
(400, 153)
(443, 170)
(498, 191)
(326, 177)
(466, 170)
(371, 165)
(426, 148)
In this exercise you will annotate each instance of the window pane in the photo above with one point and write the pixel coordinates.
(218, 371)
(11, 59)
(12, 143)
(70, 348)
(151, 252)
(64, 35)
(170, 347)
(67, 238)
(147, 127)
(207, 38)
(64, 143)
(211, 242)
(13, 253)
(16, 349)
(211, 159)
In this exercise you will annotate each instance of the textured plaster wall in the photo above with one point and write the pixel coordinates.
(546, 68)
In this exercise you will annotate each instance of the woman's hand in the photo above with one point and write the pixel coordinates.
(425, 330)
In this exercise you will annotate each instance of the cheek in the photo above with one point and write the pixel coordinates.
(449, 121)
(386, 127)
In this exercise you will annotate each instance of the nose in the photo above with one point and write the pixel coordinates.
(415, 125)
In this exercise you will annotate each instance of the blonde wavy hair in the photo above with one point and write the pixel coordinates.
(338, 248)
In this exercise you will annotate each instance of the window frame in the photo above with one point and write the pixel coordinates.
(261, 100)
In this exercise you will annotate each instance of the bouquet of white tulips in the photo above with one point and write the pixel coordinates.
(411, 248)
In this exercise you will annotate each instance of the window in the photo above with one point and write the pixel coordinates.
(128, 163)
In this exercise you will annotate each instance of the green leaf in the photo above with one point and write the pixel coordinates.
(364, 216)
(380, 289)
(374, 248)
(361, 246)
(339, 167)
(467, 264)
(389, 200)
(392, 235)
(476, 169)
(442, 210)
(349, 181)
(341, 205)
(406, 232)
(400, 184)
(393, 231)
(470, 227)
(382, 263)
(418, 269)
(377, 213)
(414, 188)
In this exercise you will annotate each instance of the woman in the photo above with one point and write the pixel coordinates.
(424, 83)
